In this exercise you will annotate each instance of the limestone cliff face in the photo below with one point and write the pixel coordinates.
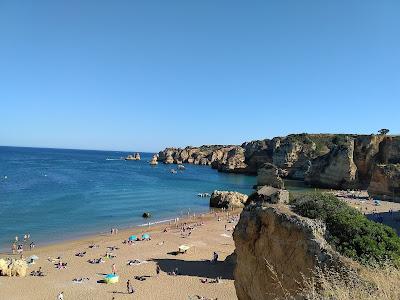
(390, 150)
(204, 155)
(273, 236)
(233, 161)
(366, 151)
(335, 169)
(323, 160)
(385, 182)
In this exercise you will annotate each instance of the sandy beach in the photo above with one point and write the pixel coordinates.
(193, 266)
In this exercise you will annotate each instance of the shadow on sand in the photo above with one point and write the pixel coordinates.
(197, 268)
(391, 219)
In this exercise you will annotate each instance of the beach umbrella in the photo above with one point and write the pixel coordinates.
(145, 236)
(133, 238)
(33, 257)
(111, 278)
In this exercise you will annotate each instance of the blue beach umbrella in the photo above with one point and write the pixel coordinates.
(133, 238)
(145, 236)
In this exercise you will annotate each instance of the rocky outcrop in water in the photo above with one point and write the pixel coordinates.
(225, 199)
(204, 155)
(338, 161)
(270, 239)
(133, 157)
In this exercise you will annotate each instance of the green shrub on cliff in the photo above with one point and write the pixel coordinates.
(350, 232)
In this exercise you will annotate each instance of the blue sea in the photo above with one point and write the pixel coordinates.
(58, 194)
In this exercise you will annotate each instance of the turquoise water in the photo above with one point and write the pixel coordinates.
(57, 194)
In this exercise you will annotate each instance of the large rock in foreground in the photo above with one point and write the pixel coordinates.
(271, 239)
(225, 199)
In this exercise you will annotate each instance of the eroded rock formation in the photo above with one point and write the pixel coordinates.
(385, 182)
(225, 199)
(273, 243)
(269, 174)
(269, 194)
(337, 161)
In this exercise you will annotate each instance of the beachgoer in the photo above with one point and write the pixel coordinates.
(158, 269)
(60, 296)
(114, 269)
(16, 238)
(129, 287)
(215, 257)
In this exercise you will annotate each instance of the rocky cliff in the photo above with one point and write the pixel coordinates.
(275, 248)
(323, 160)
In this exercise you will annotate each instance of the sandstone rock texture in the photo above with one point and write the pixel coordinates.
(336, 169)
(338, 161)
(225, 199)
(385, 182)
(269, 174)
(13, 267)
(271, 238)
(269, 194)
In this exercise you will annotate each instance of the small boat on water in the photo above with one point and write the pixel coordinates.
(181, 167)
(203, 195)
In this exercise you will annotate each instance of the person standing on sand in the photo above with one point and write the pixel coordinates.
(158, 269)
(129, 287)
(114, 269)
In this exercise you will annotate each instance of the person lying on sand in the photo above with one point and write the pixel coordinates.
(60, 265)
(142, 277)
(38, 273)
(206, 280)
(109, 255)
(112, 248)
(80, 254)
(136, 262)
(175, 272)
(93, 246)
(80, 280)
(96, 261)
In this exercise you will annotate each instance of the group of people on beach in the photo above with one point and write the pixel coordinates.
(114, 231)
(18, 247)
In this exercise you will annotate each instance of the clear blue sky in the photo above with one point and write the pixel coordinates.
(142, 75)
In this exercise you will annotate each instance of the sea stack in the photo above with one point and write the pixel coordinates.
(133, 157)
(154, 161)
